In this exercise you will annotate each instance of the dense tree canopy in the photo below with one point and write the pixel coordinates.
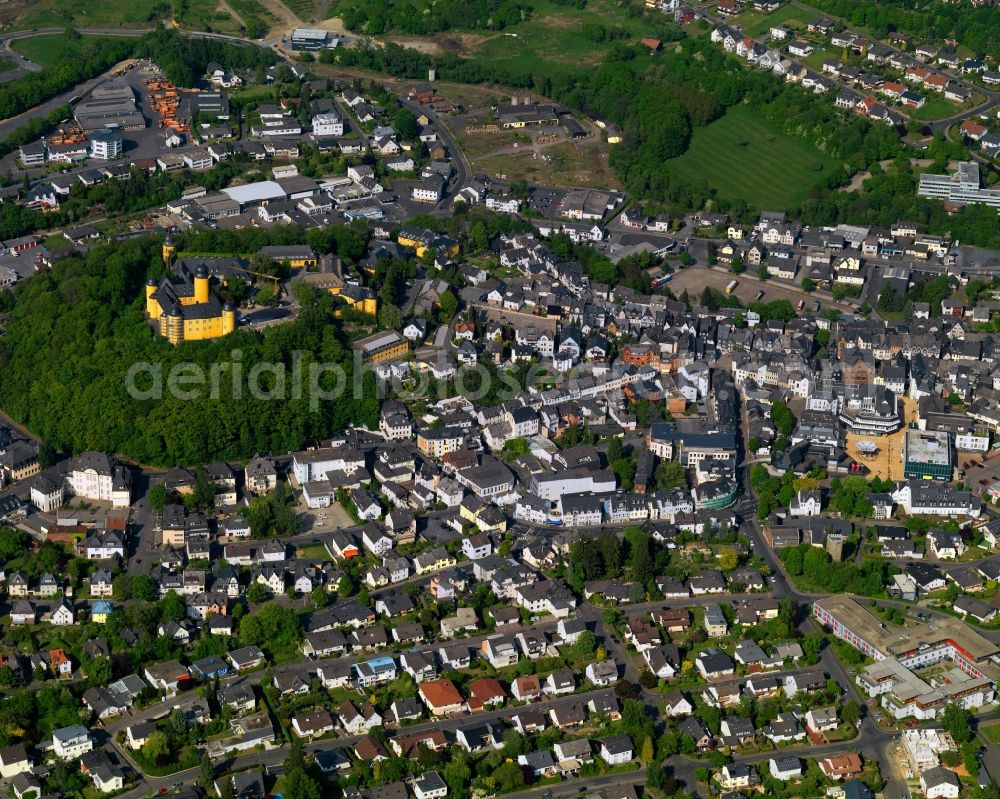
(977, 28)
(78, 329)
(426, 17)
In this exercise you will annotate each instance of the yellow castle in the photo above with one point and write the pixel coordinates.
(188, 310)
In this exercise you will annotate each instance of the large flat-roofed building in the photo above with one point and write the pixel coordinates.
(904, 694)
(311, 39)
(520, 115)
(961, 188)
(259, 193)
(916, 646)
(927, 455)
(380, 347)
(109, 104)
(211, 104)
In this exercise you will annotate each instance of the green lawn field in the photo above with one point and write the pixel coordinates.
(744, 157)
(307, 9)
(47, 50)
(554, 36)
(197, 14)
(90, 13)
(788, 16)
(991, 732)
(6, 65)
(936, 107)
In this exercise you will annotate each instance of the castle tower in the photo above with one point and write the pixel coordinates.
(169, 248)
(835, 546)
(201, 285)
(152, 306)
(172, 326)
(228, 319)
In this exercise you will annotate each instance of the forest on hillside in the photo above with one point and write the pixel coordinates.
(78, 328)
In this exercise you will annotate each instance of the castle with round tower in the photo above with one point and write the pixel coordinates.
(187, 310)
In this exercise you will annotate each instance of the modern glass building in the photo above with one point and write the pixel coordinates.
(927, 455)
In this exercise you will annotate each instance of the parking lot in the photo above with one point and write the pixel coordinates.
(325, 520)
(984, 477)
(545, 200)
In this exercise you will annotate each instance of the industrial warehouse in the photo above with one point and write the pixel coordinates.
(110, 104)
(312, 39)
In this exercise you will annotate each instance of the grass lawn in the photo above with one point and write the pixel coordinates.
(57, 242)
(307, 10)
(90, 13)
(936, 107)
(251, 8)
(554, 36)
(312, 552)
(743, 156)
(6, 65)
(991, 732)
(47, 50)
(788, 16)
(207, 15)
(201, 14)
(816, 58)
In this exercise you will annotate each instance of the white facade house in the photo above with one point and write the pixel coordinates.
(940, 783)
(69, 743)
(327, 125)
(785, 768)
(94, 475)
(805, 503)
(46, 495)
(616, 750)
(429, 785)
(14, 760)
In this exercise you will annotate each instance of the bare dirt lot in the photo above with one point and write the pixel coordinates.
(573, 163)
(697, 278)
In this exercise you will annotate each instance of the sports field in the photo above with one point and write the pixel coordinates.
(744, 157)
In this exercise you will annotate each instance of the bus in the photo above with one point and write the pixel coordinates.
(732, 285)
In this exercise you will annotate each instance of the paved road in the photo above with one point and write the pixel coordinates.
(266, 315)
(22, 64)
(463, 169)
